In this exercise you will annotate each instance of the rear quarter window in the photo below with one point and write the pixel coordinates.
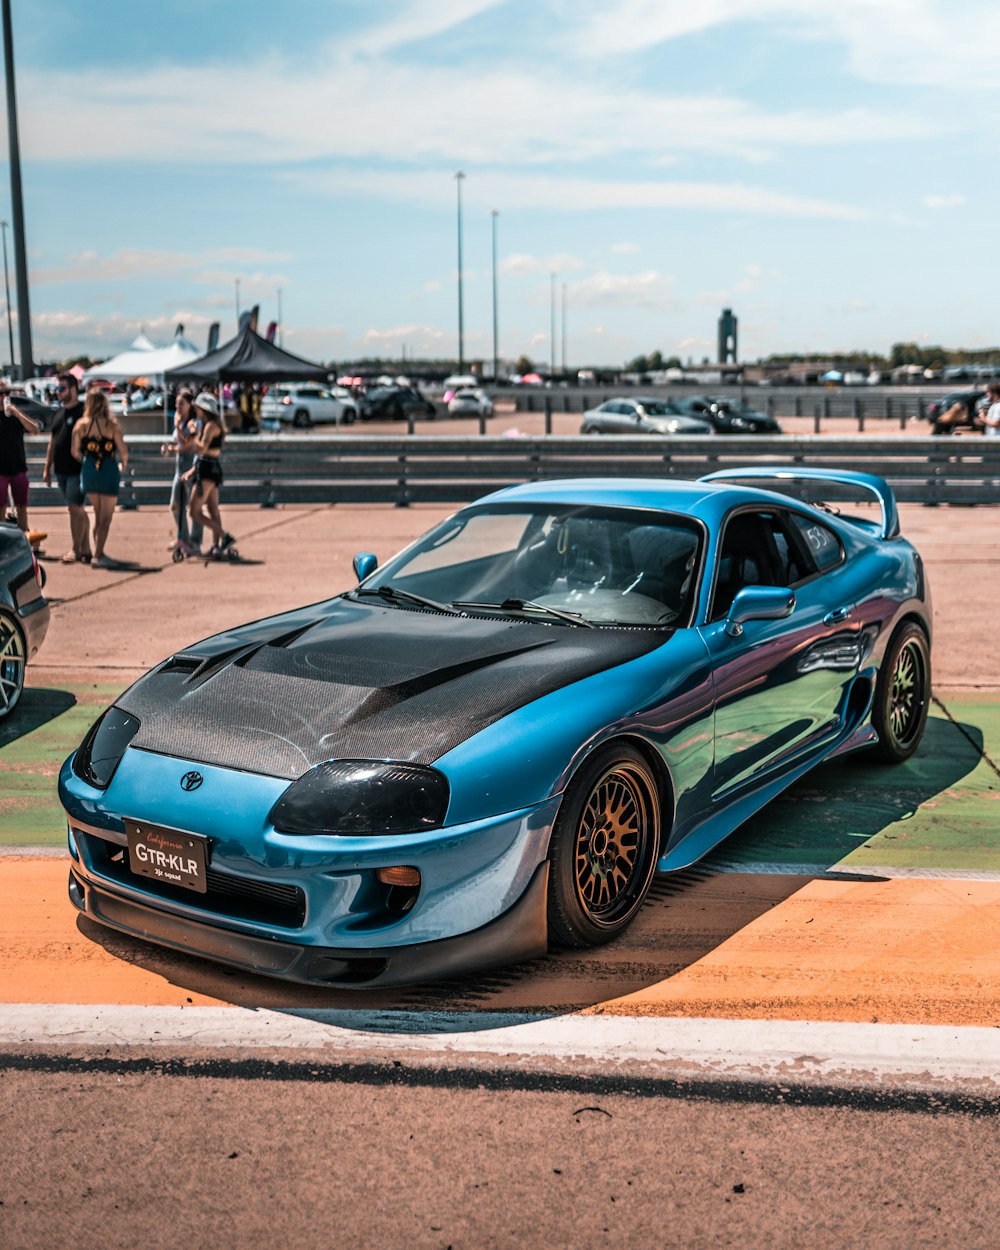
(823, 544)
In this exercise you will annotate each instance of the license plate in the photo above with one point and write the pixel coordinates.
(167, 855)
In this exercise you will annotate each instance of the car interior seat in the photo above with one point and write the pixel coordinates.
(749, 557)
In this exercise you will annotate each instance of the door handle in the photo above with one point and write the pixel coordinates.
(838, 615)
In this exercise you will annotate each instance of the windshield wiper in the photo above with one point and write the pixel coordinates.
(393, 594)
(526, 605)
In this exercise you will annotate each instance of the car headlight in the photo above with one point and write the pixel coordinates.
(100, 753)
(367, 797)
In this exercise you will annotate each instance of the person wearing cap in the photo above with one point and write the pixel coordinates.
(207, 471)
(14, 424)
(59, 459)
(99, 445)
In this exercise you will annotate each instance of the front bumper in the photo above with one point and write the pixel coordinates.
(520, 933)
(307, 908)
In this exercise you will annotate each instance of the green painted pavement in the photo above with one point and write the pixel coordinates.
(44, 728)
(939, 810)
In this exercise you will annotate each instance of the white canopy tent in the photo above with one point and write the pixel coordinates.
(150, 362)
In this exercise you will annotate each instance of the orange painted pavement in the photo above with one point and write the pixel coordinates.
(896, 951)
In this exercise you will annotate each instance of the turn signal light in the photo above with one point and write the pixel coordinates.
(408, 877)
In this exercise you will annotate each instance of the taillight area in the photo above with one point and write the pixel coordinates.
(39, 571)
(287, 399)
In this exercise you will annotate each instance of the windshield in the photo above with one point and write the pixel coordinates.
(658, 407)
(609, 566)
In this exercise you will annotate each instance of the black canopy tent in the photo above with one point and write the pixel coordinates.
(248, 358)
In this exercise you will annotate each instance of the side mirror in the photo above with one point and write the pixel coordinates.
(364, 565)
(759, 603)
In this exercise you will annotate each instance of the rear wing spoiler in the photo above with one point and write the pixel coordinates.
(867, 482)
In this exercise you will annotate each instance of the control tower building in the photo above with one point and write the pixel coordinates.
(728, 353)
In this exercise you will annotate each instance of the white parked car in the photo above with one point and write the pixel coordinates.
(470, 401)
(305, 404)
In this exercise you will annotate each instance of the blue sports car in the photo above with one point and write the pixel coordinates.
(494, 741)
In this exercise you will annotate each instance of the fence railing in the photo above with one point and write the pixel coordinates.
(345, 468)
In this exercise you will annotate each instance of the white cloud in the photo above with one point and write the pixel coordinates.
(89, 266)
(925, 42)
(944, 201)
(624, 249)
(520, 264)
(574, 194)
(648, 289)
(153, 116)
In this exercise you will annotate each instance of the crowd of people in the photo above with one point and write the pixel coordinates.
(87, 455)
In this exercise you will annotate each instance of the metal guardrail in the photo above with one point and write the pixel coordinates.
(345, 468)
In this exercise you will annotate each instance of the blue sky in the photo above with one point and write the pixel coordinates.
(828, 171)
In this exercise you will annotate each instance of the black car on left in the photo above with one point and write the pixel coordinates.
(24, 612)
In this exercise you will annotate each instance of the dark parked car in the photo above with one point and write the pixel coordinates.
(24, 612)
(957, 410)
(729, 416)
(395, 403)
(642, 415)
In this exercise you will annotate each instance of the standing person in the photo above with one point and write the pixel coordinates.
(187, 427)
(991, 421)
(99, 446)
(207, 472)
(59, 458)
(13, 463)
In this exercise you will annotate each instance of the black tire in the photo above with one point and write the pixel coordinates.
(604, 848)
(349, 417)
(302, 420)
(902, 695)
(13, 657)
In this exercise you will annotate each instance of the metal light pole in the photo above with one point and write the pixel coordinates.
(496, 355)
(552, 322)
(279, 316)
(461, 326)
(237, 281)
(6, 283)
(564, 327)
(17, 206)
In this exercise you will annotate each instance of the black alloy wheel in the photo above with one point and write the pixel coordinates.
(902, 695)
(604, 848)
(302, 420)
(12, 662)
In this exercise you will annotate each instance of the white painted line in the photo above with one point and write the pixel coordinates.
(770, 1051)
(840, 871)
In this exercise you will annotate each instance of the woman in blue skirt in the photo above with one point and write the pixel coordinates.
(100, 447)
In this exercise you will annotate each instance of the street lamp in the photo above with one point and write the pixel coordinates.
(17, 205)
(461, 328)
(552, 322)
(6, 283)
(237, 303)
(564, 327)
(496, 369)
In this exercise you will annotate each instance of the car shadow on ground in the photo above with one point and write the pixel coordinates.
(36, 707)
(836, 809)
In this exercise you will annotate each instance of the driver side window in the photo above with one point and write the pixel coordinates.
(758, 549)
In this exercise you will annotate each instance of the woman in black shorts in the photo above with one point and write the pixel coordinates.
(207, 472)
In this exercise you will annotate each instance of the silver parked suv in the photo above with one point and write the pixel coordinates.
(306, 403)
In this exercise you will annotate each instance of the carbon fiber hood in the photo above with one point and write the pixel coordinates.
(361, 682)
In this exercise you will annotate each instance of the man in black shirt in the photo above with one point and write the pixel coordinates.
(60, 459)
(13, 466)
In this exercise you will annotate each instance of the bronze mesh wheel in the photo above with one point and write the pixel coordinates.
(902, 695)
(604, 848)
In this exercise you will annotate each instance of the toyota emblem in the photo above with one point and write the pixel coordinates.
(191, 781)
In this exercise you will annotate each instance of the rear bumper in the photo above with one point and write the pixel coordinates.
(519, 933)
